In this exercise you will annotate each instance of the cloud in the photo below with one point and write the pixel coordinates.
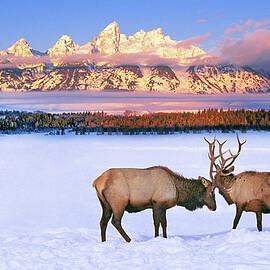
(143, 58)
(239, 27)
(253, 49)
(140, 58)
(197, 40)
(236, 28)
(201, 21)
(74, 59)
(262, 23)
(11, 61)
(202, 59)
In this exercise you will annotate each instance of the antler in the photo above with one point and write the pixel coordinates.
(213, 158)
(222, 162)
(237, 154)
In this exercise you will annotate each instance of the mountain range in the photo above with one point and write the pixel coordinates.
(145, 61)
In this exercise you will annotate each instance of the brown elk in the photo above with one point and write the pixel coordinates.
(249, 191)
(156, 187)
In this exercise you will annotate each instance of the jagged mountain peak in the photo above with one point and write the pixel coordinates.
(157, 31)
(108, 40)
(113, 25)
(63, 47)
(151, 39)
(19, 48)
(21, 41)
(65, 38)
(111, 30)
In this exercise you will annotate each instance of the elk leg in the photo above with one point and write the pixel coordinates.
(239, 211)
(156, 217)
(106, 215)
(163, 221)
(259, 221)
(116, 222)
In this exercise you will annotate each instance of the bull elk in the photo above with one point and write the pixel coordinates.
(156, 187)
(249, 191)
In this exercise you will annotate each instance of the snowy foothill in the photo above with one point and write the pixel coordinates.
(49, 212)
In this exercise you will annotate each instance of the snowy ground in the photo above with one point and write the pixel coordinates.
(49, 213)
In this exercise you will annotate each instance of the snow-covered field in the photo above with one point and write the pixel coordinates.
(49, 213)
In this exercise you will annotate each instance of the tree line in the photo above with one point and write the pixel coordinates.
(132, 123)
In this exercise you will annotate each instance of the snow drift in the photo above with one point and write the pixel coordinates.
(49, 213)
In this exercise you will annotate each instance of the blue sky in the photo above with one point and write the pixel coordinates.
(41, 23)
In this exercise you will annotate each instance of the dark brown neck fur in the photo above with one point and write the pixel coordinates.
(224, 183)
(190, 191)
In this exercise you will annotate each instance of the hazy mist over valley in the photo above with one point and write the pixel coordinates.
(118, 103)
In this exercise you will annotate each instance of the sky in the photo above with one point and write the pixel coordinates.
(224, 23)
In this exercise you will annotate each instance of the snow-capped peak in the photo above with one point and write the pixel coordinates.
(64, 46)
(111, 27)
(21, 41)
(19, 48)
(65, 37)
(152, 38)
(108, 40)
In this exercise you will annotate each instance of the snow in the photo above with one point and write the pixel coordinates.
(49, 213)
(79, 249)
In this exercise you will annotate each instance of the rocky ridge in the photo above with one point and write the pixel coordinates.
(207, 79)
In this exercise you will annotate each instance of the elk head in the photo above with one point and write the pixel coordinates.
(209, 194)
(224, 167)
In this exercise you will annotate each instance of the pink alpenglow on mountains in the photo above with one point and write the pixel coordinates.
(145, 61)
(110, 41)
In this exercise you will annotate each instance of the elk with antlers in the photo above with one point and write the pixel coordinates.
(249, 191)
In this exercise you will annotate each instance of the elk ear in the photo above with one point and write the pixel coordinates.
(230, 170)
(204, 181)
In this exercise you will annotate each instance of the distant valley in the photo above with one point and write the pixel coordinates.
(120, 102)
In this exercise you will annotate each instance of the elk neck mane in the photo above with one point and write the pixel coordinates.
(224, 185)
(226, 181)
(190, 191)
